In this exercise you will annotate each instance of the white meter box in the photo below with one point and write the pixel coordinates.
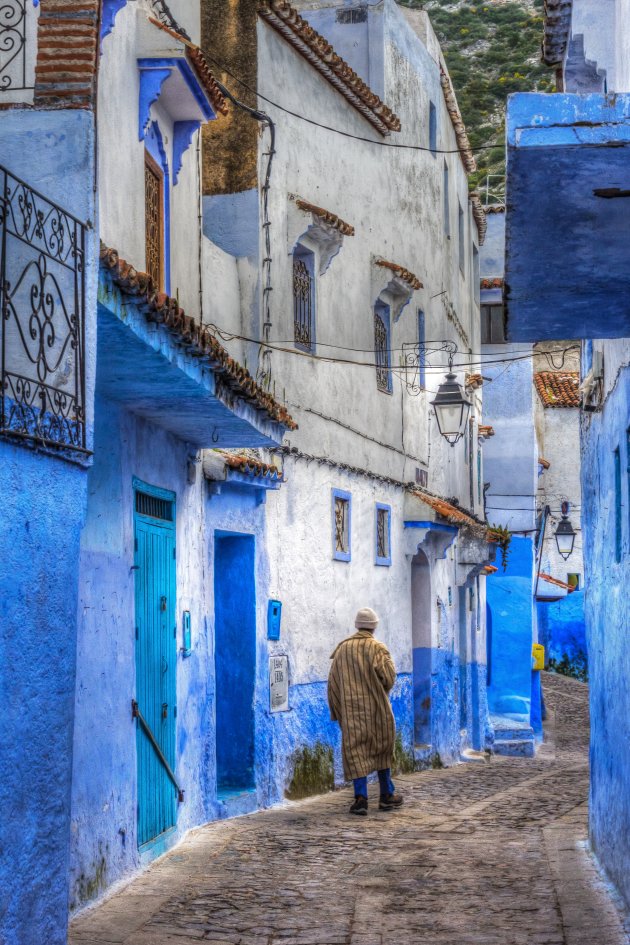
(279, 683)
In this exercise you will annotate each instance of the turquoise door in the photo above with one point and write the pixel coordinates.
(156, 657)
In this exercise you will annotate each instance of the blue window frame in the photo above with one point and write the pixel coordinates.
(383, 534)
(618, 519)
(433, 128)
(382, 347)
(341, 525)
(422, 350)
(304, 298)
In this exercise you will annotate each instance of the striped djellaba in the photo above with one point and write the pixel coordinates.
(360, 679)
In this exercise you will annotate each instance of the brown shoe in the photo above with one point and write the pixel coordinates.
(360, 806)
(390, 801)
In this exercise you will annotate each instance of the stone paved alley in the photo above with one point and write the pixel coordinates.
(486, 853)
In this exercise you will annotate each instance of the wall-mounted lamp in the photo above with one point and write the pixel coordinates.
(565, 533)
(451, 405)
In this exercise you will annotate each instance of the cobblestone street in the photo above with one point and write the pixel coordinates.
(486, 853)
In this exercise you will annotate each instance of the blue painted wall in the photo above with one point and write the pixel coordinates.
(607, 623)
(510, 599)
(562, 629)
(231, 221)
(40, 522)
(235, 659)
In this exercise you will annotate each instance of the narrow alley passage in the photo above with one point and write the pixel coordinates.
(487, 853)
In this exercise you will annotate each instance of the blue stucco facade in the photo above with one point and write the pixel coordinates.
(562, 631)
(42, 516)
(582, 143)
(607, 623)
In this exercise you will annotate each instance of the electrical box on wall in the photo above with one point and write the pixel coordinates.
(274, 617)
(186, 648)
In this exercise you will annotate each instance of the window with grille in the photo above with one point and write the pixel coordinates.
(303, 299)
(154, 506)
(422, 349)
(383, 534)
(432, 128)
(341, 525)
(446, 202)
(382, 352)
(154, 219)
(492, 325)
(461, 232)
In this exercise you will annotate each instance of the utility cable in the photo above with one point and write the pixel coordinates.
(338, 131)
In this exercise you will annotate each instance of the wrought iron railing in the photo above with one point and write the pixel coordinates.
(13, 44)
(42, 305)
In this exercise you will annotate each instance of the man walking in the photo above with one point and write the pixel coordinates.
(361, 676)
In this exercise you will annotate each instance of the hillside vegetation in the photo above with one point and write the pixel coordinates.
(492, 48)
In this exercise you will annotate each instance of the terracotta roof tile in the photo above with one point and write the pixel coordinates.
(330, 218)
(474, 381)
(486, 431)
(479, 216)
(401, 272)
(558, 388)
(164, 310)
(490, 569)
(552, 580)
(494, 208)
(201, 67)
(544, 462)
(444, 509)
(496, 283)
(459, 127)
(309, 43)
(250, 466)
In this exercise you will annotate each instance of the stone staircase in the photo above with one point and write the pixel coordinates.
(512, 737)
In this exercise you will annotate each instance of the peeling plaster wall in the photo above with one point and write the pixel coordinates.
(42, 515)
(607, 622)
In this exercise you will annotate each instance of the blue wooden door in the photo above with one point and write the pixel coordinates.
(156, 657)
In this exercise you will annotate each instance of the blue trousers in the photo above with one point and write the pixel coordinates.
(385, 782)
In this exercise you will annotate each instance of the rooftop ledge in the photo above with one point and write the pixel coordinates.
(568, 191)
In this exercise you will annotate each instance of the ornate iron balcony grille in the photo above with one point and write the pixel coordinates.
(302, 304)
(42, 301)
(382, 533)
(13, 45)
(341, 525)
(381, 351)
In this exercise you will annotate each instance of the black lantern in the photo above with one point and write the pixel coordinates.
(565, 533)
(451, 407)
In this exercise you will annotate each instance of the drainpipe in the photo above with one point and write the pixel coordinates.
(539, 551)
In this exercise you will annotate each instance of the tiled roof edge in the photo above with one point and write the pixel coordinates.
(459, 127)
(319, 52)
(346, 229)
(552, 580)
(164, 310)
(402, 273)
(558, 388)
(557, 31)
(201, 67)
(479, 216)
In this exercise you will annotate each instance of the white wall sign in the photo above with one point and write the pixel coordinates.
(279, 683)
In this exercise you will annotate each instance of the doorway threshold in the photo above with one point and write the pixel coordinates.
(236, 801)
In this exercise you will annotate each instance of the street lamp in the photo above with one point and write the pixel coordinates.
(451, 406)
(565, 533)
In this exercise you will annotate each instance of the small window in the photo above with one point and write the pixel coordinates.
(432, 128)
(461, 233)
(382, 348)
(358, 15)
(447, 204)
(618, 519)
(492, 325)
(422, 350)
(383, 534)
(574, 580)
(304, 298)
(154, 219)
(341, 512)
(476, 279)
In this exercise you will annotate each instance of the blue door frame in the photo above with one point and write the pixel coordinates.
(156, 656)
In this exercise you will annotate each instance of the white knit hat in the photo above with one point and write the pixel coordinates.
(366, 619)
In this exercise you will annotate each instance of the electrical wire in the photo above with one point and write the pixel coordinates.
(338, 131)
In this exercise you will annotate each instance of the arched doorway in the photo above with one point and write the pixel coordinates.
(421, 611)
